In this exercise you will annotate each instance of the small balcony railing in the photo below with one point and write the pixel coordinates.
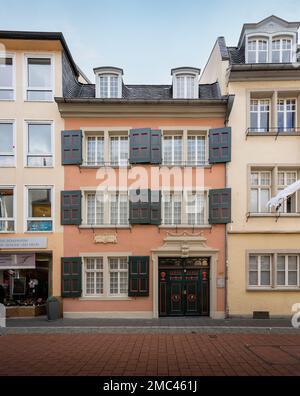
(271, 131)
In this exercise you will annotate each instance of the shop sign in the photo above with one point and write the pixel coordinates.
(24, 243)
(17, 261)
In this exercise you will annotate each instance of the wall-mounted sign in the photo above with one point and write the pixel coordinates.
(17, 261)
(221, 283)
(24, 243)
(105, 238)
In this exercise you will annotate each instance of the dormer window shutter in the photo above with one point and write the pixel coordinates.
(219, 145)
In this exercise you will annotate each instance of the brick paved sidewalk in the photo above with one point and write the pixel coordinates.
(150, 354)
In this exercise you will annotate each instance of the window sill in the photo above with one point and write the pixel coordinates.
(7, 232)
(104, 166)
(204, 166)
(38, 167)
(39, 232)
(274, 215)
(8, 166)
(38, 101)
(277, 289)
(204, 226)
(109, 298)
(7, 100)
(108, 226)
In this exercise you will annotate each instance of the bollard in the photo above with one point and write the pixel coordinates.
(2, 316)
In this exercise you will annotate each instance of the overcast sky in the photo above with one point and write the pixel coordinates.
(145, 37)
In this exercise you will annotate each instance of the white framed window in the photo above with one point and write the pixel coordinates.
(39, 137)
(119, 150)
(172, 208)
(257, 51)
(286, 114)
(196, 150)
(93, 277)
(7, 143)
(261, 182)
(94, 208)
(196, 208)
(282, 50)
(95, 150)
(39, 201)
(119, 209)
(172, 150)
(118, 276)
(39, 78)
(185, 86)
(287, 272)
(260, 271)
(7, 209)
(260, 115)
(109, 86)
(285, 179)
(7, 77)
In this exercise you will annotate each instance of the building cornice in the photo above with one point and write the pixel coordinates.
(266, 72)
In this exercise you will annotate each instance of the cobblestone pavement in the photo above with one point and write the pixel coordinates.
(150, 354)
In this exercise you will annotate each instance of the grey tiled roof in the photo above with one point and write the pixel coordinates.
(223, 49)
(236, 55)
(142, 92)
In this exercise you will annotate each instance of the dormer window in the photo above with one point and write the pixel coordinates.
(282, 50)
(108, 82)
(185, 83)
(257, 51)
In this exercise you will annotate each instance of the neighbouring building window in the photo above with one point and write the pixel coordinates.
(196, 150)
(118, 276)
(172, 208)
(95, 150)
(260, 115)
(93, 277)
(7, 220)
(109, 86)
(7, 148)
(257, 51)
(39, 215)
(260, 270)
(286, 114)
(7, 91)
(285, 179)
(39, 144)
(119, 150)
(196, 208)
(119, 209)
(284, 266)
(172, 150)
(39, 79)
(282, 50)
(260, 191)
(95, 208)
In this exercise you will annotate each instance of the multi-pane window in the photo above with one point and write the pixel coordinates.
(39, 144)
(95, 208)
(119, 150)
(282, 50)
(7, 148)
(95, 150)
(39, 79)
(172, 150)
(260, 270)
(286, 114)
(93, 275)
(257, 51)
(118, 276)
(285, 179)
(196, 208)
(39, 209)
(196, 146)
(287, 273)
(109, 86)
(260, 115)
(119, 209)
(172, 208)
(185, 87)
(6, 78)
(7, 221)
(260, 191)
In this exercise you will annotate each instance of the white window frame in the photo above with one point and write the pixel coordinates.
(13, 87)
(197, 136)
(84, 277)
(285, 185)
(106, 296)
(286, 271)
(185, 74)
(260, 187)
(118, 193)
(257, 51)
(108, 74)
(26, 208)
(259, 285)
(119, 137)
(26, 146)
(172, 136)
(259, 112)
(285, 111)
(281, 49)
(86, 207)
(14, 152)
(25, 77)
(96, 136)
(14, 218)
(119, 294)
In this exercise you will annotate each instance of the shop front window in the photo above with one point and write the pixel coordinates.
(39, 210)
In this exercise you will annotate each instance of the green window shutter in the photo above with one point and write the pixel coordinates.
(139, 210)
(71, 207)
(220, 206)
(156, 147)
(71, 283)
(138, 276)
(140, 146)
(219, 145)
(71, 147)
(155, 214)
